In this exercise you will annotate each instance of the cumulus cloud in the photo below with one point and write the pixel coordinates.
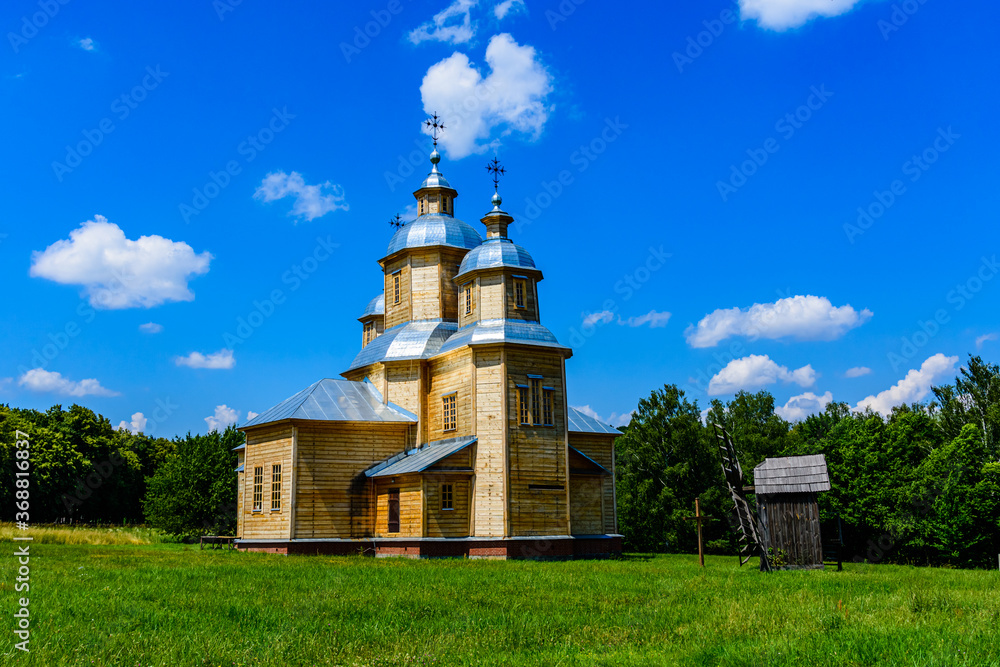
(452, 25)
(511, 98)
(757, 371)
(654, 319)
(784, 14)
(857, 371)
(223, 359)
(311, 201)
(984, 338)
(912, 388)
(41, 380)
(508, 7)
(251, 414)
(117, 272)
(137, 424)
(87, 44)
(151, 328)
(798, 318)
(223, 417)
(799, 407)
(616, 419)
(603, 317)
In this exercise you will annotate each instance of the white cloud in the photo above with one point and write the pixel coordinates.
(311, 201)
(784, 14)
(137, 424)
(754, 372)
(117, 272)
(857, 371)
(652, 318)
(621, 419)
(223, 417)
(603, 317)
(39, 379)
(223, 359)
(151, 328)
(587, 410)
(912, 388)
(452, 25)
(798, 317)
(87, 44)
(799, 407)
(986, 337)
(511, 98)
(251, 414)
(508, 7)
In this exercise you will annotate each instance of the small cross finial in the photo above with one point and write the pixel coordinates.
(396, 222)
(494, 168)
(434, 122)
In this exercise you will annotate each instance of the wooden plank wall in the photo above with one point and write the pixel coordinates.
(265, 447)
(464, 319)
(333, 498)
(451, 259)
(490, 455)
(426, 285)
(537, 453)
(403, 384)
(410, 506)
(601, 449)
(448, 374)
(447, 523)
(530, 310)
(585, 496)
(491, 298)
(397, 313)
(791, 523)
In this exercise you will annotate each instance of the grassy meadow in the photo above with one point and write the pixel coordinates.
(172, 604)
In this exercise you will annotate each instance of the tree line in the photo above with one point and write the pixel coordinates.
(920, 486)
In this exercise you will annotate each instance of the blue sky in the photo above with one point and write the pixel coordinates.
(791, 195)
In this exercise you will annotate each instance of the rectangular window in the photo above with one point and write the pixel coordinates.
(369, 327)
(393, 515)
(395, 287)
(536, 399)
(547, 401)
(522, 405)
(519, 289)
(258, 489)
(446, 497)
(468, 298)
(450, 417)
(276, 486)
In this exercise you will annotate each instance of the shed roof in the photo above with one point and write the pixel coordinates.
(418, 460)
(792, 474)
(335, 400)
(582, 423)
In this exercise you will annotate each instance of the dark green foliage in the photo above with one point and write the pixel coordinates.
(194, 491)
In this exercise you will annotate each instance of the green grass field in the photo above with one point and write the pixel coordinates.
(171, 604)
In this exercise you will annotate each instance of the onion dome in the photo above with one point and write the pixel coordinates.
(376, 307)
(496, 253)
(434, 229)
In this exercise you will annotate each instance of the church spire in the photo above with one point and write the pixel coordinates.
(496, 221)
(435, 194)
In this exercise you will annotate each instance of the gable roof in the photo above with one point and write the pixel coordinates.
(418, 460)
(335, 400)
(792, 474)
(602, 469)
(582, 423)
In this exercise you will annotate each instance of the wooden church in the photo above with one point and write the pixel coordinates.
(450, 434)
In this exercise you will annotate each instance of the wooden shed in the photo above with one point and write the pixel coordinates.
(787, 490)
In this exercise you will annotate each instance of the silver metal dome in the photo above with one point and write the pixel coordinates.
(375, 307)
(412, 340)
(495, 253)
(435, 229)
(501, 331)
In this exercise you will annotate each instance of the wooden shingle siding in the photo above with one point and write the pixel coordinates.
(488, 495)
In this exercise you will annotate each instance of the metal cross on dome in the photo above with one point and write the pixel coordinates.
(434, 122)
(396, 222)
(494, 168)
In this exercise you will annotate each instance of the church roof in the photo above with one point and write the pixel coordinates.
(335, 400)
(501, 331)
(375, 307)
(434, 229)
(418, 460)
(582, 423)
(412, 340)
(495, 253)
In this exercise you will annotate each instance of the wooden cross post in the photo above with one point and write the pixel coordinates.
(697, 518)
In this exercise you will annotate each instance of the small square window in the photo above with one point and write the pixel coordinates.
(447, 497)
